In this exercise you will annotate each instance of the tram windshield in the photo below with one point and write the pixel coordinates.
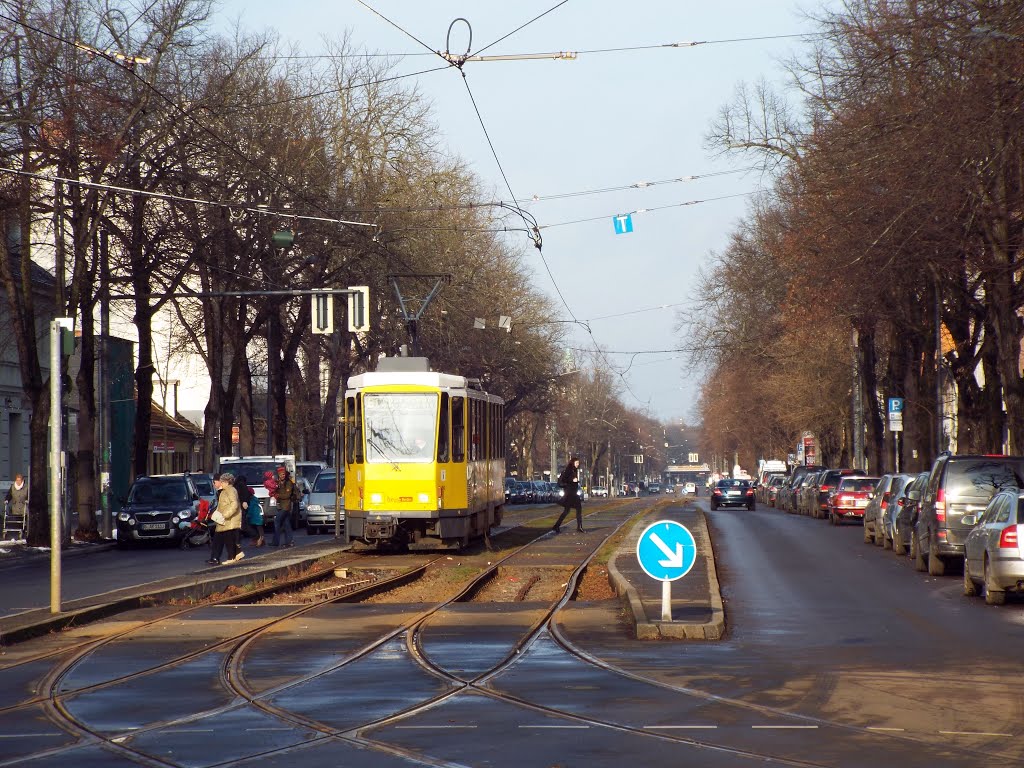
(400, 426)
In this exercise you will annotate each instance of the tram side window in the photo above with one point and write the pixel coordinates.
(458, 429)
(475, 423)
(444, 425)
(354, 428)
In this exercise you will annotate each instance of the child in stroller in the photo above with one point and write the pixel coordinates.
(198, 531)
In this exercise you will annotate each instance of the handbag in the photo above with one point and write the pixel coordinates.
(218, 518)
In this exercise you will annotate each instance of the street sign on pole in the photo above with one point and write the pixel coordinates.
(623, 223)
(323, 313)
(666, 551)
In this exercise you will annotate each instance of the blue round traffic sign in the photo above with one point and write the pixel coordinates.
(666, 550)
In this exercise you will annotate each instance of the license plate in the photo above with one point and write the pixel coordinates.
(860, 502)
(153, 526)
(733, 493)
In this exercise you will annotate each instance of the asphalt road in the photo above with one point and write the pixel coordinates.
(837, 654)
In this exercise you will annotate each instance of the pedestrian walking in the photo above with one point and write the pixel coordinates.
(16, 503)
(252, 514)
(285, 494)
(569, 480)
(228, 518)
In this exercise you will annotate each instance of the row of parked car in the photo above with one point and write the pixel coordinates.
(966, 512)
(531, 491)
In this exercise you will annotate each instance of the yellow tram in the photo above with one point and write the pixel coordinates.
(424, 457)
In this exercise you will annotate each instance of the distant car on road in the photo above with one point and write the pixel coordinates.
(690, 489)
(732, 493)
(157, 508)
(654, 488)
(599, 492)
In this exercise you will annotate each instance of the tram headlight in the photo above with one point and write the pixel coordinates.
(424, 498)
(376, 498)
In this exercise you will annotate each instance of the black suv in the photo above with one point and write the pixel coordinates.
(957, 486)
(155, 508)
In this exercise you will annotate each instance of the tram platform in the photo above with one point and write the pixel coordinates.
(697, 610)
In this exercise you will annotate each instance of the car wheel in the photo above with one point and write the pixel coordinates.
(936, 564)
(879, 536)
(868, 537)
(713, 506)
(992, 596)
(970, 588)
(833, 518)
(898, 547)
(920, 561)
(751, 506)
(886, 541)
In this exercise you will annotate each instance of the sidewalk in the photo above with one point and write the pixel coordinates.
(193, 585)
(697, 609)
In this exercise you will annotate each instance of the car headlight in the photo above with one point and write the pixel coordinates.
(174, 520)
(123, 517)
(185, 514)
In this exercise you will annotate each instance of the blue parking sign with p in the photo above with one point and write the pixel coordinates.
(895, 405)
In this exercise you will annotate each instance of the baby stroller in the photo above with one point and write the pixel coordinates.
(197, 532)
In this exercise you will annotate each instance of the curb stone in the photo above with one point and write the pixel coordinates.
(645, 628)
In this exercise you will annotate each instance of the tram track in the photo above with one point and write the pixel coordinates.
(414, 635)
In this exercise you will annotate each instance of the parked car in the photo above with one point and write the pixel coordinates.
(654, 488)
(772, 493)
(761, 491)
(806, 494)
(203, 483)
(827, 483)
(993, 558)
(599, 491)
(849, 499)
(510, 486)
(541, 492)
(904, 517)
(157, 508)
(735, 493)
(874, 512)
(557, 492)
(308, 470)
(787, 494)
(320, 507)
(957, 486)
(522, 493)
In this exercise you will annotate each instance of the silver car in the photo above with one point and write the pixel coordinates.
(993, 561)
(320, 503)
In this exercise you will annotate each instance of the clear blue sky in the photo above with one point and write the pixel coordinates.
(602, 120)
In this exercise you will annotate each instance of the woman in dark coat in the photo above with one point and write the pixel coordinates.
(569, 480)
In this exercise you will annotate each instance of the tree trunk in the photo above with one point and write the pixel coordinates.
(869, 381)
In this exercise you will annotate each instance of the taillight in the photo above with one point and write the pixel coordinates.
(1008, 538)
(718, 492)
(750, 492)
(825, 488)
(843, 498)
(940, 505)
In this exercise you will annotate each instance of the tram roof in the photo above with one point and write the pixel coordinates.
(422, 378)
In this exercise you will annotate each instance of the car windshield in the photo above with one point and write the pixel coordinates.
(733, 484)
(325, 483)
(308, 471)
(253, 471)
(858, 484)
(204, 486)
(399, 426)
(982, 478)
(151, 491)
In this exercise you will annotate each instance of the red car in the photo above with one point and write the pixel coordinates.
(849, 498)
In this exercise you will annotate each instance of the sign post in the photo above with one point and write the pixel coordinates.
(896, 425)
(666, 551)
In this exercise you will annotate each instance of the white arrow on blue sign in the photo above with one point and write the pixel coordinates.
(666, 550)
(895, 405)
(623, 223)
